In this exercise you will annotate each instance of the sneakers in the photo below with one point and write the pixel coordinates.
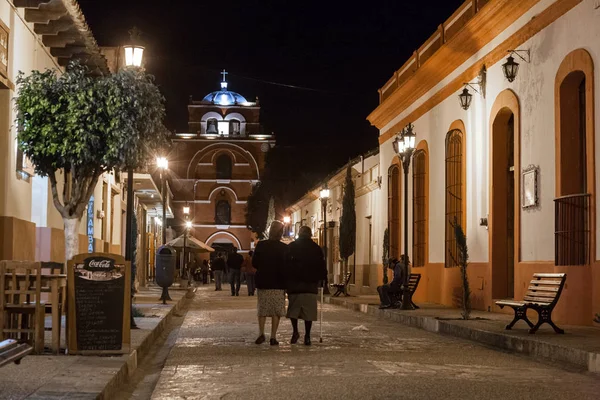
(384, 306)
(295, 337)
(307, 341)
(273, 342)
(260, 340)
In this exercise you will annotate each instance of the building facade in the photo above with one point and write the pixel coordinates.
(308, 211)
(216, 164)
(516, 168)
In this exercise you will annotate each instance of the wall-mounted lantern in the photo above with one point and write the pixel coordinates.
(511, 67)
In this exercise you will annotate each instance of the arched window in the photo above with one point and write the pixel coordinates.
(575, 180)
(394, 210)
(211, 126)
(454, 193)
(234, 127)
(223, 213)
(420, 208)
(224, 167)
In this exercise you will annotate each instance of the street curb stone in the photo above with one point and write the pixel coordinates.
(532, 347)
(138, 354)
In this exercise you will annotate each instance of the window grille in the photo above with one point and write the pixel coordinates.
(454, 187)
(419, 208)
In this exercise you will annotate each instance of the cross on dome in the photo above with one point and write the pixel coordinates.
(224, 83)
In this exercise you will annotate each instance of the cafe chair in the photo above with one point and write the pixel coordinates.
(21, 309)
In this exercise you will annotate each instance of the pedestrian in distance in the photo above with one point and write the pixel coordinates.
(204, 271)
(250, 273)
(269, 261)
(234, 264)
(305, 272)
(218, 267)
(395, 286)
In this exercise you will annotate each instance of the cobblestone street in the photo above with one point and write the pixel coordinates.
(361, 357)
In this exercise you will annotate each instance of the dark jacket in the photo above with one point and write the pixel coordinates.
(218, 264)
(269, 261)
(305, 267)
(235, 261)
(400, 271)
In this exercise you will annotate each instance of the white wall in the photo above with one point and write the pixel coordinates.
(534, 87)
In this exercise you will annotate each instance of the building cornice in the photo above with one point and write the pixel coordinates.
(483, 27)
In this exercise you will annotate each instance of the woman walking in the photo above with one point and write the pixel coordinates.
(305, 270)
(269, 261)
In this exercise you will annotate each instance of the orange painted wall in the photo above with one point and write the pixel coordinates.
(18, 239)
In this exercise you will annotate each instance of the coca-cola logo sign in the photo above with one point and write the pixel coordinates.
(99, 264)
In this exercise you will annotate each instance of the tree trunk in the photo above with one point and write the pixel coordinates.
(71, 237)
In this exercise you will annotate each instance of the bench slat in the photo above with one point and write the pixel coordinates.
(541, 294)
(544, 288)
(510, 303)
(544, 282)
(539, 300)
(549, 275)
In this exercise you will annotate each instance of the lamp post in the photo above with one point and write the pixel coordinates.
(404, 146)
(163, 165)
(324, 196)
(188, 225)
(131, 62)
(286, 223)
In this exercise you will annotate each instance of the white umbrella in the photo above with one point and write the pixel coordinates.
(192, 244)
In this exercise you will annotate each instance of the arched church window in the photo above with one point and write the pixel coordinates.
(211, 126)
(223, 213)
(224, 167)
(234, 127)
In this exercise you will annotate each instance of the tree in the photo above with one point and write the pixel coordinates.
(271, 216)
(74, 128)
(463, 260)
(348, 220)
(257, 209)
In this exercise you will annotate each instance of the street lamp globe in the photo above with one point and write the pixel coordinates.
(188, 224)
(398, 143)
(286, 220)
(324, 194)
(133, 55)
(186, 210)
(162, 163)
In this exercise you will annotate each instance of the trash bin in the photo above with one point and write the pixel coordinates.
(166, 260)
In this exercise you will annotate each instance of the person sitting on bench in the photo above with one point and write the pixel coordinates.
(400, 270)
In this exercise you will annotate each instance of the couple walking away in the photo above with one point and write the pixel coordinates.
(298, 268)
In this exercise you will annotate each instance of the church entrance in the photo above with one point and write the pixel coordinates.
(503, 205)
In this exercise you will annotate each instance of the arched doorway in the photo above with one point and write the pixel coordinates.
(455, 190)
(504, 196)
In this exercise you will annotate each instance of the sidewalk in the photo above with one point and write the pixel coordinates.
(93, 377)
(579, 346)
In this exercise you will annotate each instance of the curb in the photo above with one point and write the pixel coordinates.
(138, 354)
(536, 349)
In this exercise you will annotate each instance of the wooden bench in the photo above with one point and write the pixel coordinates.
(11, 351)
(413, 284)
(542, 295)
(342, 288)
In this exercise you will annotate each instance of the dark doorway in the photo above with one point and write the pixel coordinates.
(224, 167)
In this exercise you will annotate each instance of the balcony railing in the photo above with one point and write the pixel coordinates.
(572, 233)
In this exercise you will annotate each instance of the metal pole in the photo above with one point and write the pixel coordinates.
(183, 267)
(164, 201)
(129, 238)
(406, 301)
(325, 250)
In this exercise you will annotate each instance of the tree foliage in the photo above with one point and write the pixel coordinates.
(463, 260)
(386, 254)
(257, 210)
(271, 216)
(84, 126)
(348, 218)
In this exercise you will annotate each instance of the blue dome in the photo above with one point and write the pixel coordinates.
(224, 98)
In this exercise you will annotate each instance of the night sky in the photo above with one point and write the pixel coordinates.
(342, 52)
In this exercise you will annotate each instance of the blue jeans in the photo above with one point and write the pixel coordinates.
(235, 278)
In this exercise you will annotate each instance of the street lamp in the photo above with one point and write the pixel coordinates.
(324, 196)
(511, 67)
(188, 226)
(163, 165)
(286, 223)
(404, 146)
(134, 52)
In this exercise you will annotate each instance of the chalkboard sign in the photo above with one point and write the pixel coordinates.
(99, 304)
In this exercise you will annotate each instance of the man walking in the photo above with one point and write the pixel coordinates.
(400, 271)
(250, 273)
(234, 263)
(305, 269)
(218, 267)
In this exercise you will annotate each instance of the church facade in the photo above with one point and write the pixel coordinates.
(216, 163)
